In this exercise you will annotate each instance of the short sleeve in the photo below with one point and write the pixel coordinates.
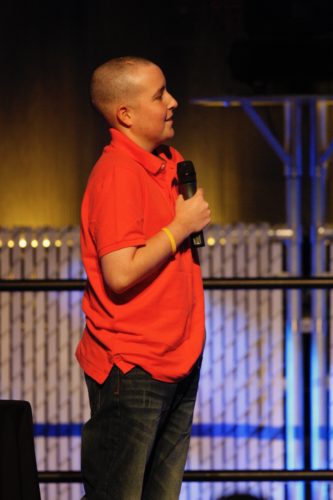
(117, 211)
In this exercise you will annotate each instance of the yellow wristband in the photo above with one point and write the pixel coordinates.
(171, 239)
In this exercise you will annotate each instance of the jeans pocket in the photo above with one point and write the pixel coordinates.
(116, 385)
(94, 393)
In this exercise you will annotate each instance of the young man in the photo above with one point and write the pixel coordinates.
(144, 306)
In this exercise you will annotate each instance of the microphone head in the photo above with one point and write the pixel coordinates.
(186, 172)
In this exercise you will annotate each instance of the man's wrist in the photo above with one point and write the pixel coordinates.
(179, 231)
(171, 237)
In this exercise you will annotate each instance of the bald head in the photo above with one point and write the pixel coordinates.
(115, 82)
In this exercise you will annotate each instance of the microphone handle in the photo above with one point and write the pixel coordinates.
(188, 189)
(197, 239)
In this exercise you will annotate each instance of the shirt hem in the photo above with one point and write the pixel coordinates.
(122, 244)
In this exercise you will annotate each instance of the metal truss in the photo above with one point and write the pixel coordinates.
(311, 149)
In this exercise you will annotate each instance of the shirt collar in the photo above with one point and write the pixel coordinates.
(149, 161)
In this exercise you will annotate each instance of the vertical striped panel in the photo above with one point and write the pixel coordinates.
(16, 354)
(39, 333)
(65, 361)
(277, 385)
(51, 356)
(5, 273)
(79, 405)
(241, 355)
(41, 337)
(215, 302)
(265, 376)
(254, 333)
(238, 421)
(330, 370)
(28, 318)
(229, 373)
(330, 374)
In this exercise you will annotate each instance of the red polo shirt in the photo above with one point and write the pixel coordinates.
(159, 323)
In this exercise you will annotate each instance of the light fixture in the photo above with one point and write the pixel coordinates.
(46, 243)
(22, 243)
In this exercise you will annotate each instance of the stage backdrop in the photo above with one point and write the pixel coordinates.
(239, 417)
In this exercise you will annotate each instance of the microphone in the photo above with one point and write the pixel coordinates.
(187, 183)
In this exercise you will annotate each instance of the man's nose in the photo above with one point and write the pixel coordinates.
(173, 103)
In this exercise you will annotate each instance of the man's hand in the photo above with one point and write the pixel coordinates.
(192, 214)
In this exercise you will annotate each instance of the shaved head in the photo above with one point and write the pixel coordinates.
(114, 83)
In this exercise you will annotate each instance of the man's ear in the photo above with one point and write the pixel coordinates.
(124, 115)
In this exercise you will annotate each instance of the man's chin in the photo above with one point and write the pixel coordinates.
(170, 133)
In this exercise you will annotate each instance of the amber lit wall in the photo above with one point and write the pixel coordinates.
(50, 136)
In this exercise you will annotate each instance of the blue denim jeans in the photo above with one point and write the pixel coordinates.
(135, 444)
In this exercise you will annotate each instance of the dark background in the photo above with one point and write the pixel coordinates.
(51, 137)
